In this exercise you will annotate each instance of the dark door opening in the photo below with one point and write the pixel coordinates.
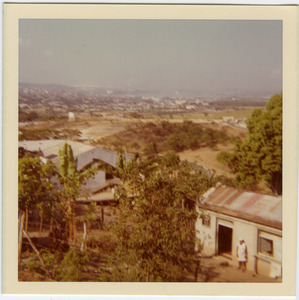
(225, 235)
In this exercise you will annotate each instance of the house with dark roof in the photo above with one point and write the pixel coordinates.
(101, 187)
(227, 215)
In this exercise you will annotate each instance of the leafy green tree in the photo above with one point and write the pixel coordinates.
(155, 229)
(259, 156)
(34, 186)
(48, 204)
(72, 181)
(29, 174)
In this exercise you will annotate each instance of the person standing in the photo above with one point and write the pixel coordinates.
(242, 254)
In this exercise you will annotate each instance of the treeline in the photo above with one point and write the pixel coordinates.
(165, 136)
(33, 116)
(34, 134)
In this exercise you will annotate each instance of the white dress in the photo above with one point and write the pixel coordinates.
(242, 252)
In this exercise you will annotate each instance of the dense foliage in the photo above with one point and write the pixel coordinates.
(190, 136)
(165, 136)
(33, 134)
(35, 187)
(259, 156)
(155, 229)
(152, 237)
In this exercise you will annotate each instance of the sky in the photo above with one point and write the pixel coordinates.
(153, 55)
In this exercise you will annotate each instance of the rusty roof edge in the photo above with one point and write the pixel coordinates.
(243, 216)
(219, 184)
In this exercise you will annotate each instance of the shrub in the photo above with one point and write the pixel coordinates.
(72, 265)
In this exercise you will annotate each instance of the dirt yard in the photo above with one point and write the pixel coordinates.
(206, 157)
(221, 269)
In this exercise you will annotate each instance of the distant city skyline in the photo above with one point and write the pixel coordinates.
(199, 56)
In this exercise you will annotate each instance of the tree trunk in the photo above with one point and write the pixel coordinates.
(41, 223)
(71, 221)
(26, 218)
(51, 224)
(51, 213)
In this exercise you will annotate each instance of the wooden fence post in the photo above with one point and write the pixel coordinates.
(21, 225)
(37, 253)
(84, 238)
(102, 213)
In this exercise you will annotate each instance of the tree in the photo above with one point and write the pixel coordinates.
(29, 186)
(72, 181)
(34, 183)
(259, 156)
(155, 230)
(48, 204)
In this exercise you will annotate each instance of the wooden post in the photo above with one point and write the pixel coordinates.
(21, 226)
(82, 248)
(102, 211)
(37, 253)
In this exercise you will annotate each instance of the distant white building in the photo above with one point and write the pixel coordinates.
(71, 116)
(228, 119)
(189, 107)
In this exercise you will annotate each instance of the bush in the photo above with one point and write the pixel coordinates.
(72, 265)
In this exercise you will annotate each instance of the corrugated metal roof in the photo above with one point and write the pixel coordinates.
(255, 207)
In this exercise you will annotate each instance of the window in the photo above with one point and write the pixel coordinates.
(266, 246)
(268, 243)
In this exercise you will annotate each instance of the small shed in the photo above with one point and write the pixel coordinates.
(227, 214)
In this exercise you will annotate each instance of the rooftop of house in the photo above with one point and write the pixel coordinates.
(49, 149)
(258, 208)
(108, 156)
(84, 154)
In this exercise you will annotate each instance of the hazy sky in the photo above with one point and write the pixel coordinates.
(161, 55)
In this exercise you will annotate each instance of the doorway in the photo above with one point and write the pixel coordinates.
(225, 236)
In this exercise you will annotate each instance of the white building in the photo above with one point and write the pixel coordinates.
(228, 214)
(71, 116)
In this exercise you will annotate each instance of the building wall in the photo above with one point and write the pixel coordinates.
(209, 242)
